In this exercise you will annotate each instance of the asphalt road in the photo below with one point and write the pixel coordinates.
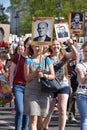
(7, 120)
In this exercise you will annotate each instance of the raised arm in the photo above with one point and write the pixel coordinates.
(73, 54)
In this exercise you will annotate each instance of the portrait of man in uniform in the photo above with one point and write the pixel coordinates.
(62, 31)
(76, 21)
(81, 39)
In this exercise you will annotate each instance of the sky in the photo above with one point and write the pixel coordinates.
(6, 3)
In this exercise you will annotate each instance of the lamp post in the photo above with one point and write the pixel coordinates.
(16, 18)
(58, 7)
(2, 9)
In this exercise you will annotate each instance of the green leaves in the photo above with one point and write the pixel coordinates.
(3, 16)
(45, 8)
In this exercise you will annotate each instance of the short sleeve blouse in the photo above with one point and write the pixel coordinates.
(84, 69)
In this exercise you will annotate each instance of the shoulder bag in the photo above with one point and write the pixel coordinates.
(49, 85)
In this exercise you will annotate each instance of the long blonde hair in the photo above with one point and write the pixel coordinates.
(62, 56)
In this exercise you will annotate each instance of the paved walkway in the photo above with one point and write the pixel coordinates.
(7, 120)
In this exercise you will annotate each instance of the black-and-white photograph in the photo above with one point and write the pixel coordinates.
(81, 40)
(4, 32)
(42, 30)
(76, 22)
(62, 31)
(85, 28)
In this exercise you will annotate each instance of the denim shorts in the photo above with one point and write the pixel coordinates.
(65, 90)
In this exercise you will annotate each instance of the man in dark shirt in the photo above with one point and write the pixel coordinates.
(62, 33)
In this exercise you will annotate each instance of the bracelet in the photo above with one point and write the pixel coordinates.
(9, 59)
(48, 76)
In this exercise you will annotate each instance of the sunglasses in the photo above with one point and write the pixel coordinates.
(74, 40)
(85, 51)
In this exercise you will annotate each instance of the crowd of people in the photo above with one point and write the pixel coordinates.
(25, 65)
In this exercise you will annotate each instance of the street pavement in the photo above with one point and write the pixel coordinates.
(69, 125)
(7, 120)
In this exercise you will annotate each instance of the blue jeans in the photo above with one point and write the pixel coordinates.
(21, 119)
(82, 106)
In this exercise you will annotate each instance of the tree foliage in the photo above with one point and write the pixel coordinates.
(46, 8)
(3, 16)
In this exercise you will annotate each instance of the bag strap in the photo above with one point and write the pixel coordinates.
(45, 62)
(61, 63)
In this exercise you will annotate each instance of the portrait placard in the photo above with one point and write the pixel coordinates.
(85, 30)
(85, 15)
(5, 30)
(76, 22)
(62, 31)
(81, 40)
(42, 30)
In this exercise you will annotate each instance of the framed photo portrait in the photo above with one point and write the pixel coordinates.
(42, 30)
(4, 32)
(76, 22)
(81, 40)
(85, 15)
(62, 31)
(85, 30)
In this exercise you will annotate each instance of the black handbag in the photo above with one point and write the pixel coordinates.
(49, 85)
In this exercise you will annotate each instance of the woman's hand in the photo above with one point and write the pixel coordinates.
(40, 75)
(69, 42)
(39, 72)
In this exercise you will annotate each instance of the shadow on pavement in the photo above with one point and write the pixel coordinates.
(54, 121)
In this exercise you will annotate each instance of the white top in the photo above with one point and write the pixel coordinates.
(79, 89)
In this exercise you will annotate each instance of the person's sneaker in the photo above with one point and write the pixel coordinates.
(73, 120)
(55, 109)
(66, 118)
